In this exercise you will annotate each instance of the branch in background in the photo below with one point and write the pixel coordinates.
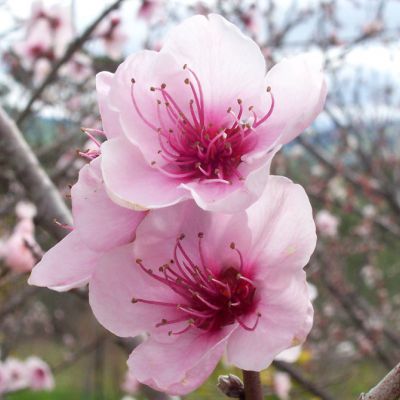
(39, 188)
(307, 384)
(349, 176)
(387, 389)
(72, 48)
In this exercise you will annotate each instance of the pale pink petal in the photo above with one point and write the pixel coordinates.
(283, 227)
(67, 265)
(180, 367)
(216, 49)
(148, 69)
(109, 117)
(101, 223)
(300, 90)
(283, 311)
(116, 281)
(132, 183)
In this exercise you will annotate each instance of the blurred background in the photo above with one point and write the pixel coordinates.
(348, 161)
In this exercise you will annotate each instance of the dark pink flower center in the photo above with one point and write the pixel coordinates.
(193, 148)
(209, 301)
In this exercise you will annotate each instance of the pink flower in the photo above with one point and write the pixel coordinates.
(58, 20)
(112, 35)
(207, 282)
(282, 385)
(131, 384)
(200, 119)
(20, 251)
(38, 44)
(4, 378)
(327, 223)
(17, 374)
(99, 225)
(39, 373)
(148, 8)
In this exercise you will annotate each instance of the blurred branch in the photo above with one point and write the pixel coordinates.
(18, 155)
(307, 384)
(387, 389)
(358, 321)
(352, 178)
(72, 48)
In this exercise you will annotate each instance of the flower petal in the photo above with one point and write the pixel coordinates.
(101, 223)
(284, 310)
(180, 367)
(223, 74)
(69, 264)
(283, 227)
(299, 89)
(122, 165)
(116, 281)
(109, 117)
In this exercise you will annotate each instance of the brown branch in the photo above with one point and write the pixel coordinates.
(307, 384)
(252, 385)
(387, 389)
(39, 188)
(72, 48)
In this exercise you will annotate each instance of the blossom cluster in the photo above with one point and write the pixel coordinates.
(179, 229)
(32, 373)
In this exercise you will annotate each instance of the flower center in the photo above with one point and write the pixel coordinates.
(209, 301)
(193, 148)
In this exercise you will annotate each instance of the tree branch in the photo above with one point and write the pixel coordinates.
(38, 186)
(387, 389)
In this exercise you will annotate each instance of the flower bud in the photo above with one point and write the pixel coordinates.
(231, 386)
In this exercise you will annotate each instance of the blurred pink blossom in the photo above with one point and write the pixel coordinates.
(327, 223)
(148, 8)
(282, 385)
(39, 373)
(20, 250)
(130, 384)
(17, 373)
(207, 282)
(195, 121)
(113, 37)
(4, 378)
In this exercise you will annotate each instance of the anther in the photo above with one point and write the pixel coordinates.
(232, 246)
(153, 163)
(187, 81)
(133, 301)
(185, 66)
(268, 88)
(200, 235)
(152, 88)
(139, 260)
(163, 86)
(239, 101)
(229, 110)
(181, 236)
(133, 80)
(158, 102)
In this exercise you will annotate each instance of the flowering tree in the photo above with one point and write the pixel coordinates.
(185, 235)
